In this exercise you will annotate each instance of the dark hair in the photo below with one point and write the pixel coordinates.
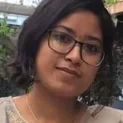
(48, 13)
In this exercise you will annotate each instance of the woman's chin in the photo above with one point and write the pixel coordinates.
(65, 92)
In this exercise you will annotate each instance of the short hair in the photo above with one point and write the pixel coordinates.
(46, 15)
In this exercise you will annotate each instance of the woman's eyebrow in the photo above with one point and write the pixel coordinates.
(68, 29)
(94, 38)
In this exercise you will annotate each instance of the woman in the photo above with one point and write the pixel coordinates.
(60, 50)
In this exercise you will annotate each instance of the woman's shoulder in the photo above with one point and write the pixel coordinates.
(97, 109)
(4, 104)
(104, 114)
(4, 99)
(8, 111)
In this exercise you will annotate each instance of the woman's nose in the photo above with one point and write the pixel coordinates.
(74, 55)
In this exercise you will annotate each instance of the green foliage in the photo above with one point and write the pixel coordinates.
(3, 53)
(5, 30)
(6, 87)
(7, 49)
(111, 1)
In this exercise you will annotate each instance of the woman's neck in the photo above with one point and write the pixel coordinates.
(48, 106)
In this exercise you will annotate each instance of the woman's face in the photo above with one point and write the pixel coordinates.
(67, 74)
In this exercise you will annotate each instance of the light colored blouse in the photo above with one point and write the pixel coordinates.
(94, 114)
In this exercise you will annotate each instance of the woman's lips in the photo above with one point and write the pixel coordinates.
(70, 71)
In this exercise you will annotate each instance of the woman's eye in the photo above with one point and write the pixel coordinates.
(90, 48)
(62, 38)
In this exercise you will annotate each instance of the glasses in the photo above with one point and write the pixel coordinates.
(90, 52)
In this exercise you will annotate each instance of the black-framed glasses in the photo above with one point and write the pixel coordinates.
(90, 52)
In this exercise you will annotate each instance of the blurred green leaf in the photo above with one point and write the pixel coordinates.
(111, 1)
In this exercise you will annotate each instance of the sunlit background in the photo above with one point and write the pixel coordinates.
(25, 2)
(17, 19)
